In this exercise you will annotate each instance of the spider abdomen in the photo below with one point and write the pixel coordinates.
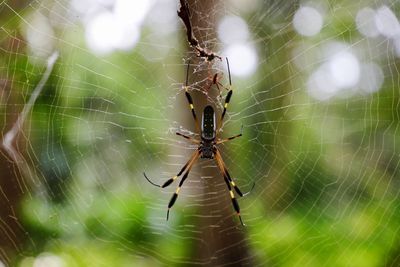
(208, 126)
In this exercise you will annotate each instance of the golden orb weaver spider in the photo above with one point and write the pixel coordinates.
(207, 147)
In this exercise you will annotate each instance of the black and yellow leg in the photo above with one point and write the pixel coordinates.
(169, 181)
(236, 206)
(186, 166)
(175, 195)
(228, 96)
(230, 179)
(234, 200)
(227, 100)
(189, 98)
(229, 182)
(191, 106)
(172, 202)
(226, 174)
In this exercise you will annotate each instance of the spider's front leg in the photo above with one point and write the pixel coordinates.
(190, 99)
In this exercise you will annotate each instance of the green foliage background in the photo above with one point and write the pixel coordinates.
(327, 173)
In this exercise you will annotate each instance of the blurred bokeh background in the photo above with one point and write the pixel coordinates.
(316, 88)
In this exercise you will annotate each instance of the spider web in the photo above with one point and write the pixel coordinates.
(82, 121)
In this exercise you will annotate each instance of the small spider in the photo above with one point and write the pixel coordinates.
(207, 148)
(215, 80)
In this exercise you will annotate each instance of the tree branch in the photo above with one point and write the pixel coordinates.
(184, 14)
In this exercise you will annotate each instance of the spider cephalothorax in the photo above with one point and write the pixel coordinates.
(207, 147)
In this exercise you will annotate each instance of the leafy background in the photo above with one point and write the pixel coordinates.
(325, 161)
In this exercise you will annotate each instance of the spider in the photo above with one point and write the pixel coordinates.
(207, 148)
(215, 80)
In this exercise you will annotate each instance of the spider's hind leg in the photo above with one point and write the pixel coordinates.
(229, 183)
(169, 181)
(175, 195)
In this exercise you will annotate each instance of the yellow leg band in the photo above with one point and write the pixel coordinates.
(232, 195)
(177, 190)
(191, 106)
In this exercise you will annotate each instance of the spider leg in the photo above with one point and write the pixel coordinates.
(169, 181)
(175, 195)
(228, 97)
(227, 100)
(230, 138)
(225, 172)
(189, 138)
(190, 99)
(191, 106)
(229, 182)
(230, 179)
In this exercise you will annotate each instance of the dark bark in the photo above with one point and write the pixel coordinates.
(12, 187)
